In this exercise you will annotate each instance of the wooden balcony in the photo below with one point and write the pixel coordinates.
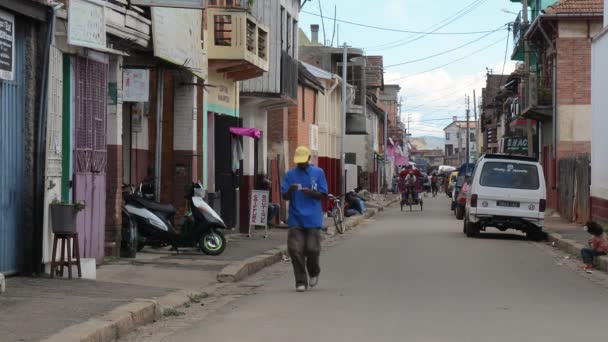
(238, 45)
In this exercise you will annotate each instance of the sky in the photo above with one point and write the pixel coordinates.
(433, 89)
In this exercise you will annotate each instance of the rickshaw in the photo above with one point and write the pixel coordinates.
(409, 198)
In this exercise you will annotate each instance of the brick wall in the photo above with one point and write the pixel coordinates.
(299, 127)
(574, 71)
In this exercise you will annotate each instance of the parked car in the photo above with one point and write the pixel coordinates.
(506, 192)
(465, 171)
(461, 202)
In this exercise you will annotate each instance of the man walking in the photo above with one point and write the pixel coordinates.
(304, 186)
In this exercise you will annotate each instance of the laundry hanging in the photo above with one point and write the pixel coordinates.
(237, 154)
(246, 132)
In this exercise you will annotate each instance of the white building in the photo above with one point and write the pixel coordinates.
(455, 145)
(599, 117)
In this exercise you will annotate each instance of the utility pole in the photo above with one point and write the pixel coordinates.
(529, 78)
(468, 135)
(342, 150)
(477, 125)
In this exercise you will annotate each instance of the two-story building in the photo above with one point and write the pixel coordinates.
(555, 90)
(455, 145)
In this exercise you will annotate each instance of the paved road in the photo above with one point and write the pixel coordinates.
(416, 277)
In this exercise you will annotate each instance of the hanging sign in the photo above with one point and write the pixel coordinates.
(87, 24)
(7, 46)
(135, 85)
(258, 215)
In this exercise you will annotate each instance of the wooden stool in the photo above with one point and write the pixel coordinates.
(57, 266)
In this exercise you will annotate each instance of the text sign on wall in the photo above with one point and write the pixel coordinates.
(258, 214)
(516, 145)
(7, 46)
(87, 24)
(135, 85)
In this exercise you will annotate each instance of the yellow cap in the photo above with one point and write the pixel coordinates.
(301, 156)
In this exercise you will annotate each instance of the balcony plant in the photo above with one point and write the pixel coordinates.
(63, 216)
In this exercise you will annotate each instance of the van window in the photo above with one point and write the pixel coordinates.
(510, 175)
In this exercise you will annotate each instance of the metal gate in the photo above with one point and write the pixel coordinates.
(12, 108)
(90, 154)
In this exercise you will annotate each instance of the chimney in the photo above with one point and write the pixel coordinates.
(455, 118)
(314, 30)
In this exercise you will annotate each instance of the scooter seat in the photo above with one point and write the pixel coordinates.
(155, 206)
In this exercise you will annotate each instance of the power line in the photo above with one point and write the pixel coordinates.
(447, 51)
(452, 62)
(463, 12)
(398, 30)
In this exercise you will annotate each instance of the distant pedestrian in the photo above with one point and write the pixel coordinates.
(304, 187)
(598, 245)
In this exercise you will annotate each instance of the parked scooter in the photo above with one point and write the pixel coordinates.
(146, 222)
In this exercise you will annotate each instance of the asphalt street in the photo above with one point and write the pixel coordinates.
(416, 277)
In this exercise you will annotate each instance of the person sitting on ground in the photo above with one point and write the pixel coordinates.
(598, 245)
(352, 205)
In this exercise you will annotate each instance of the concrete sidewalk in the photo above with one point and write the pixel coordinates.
(132, 292)
(570, 238)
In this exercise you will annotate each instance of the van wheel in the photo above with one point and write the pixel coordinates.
(536, 235)
(471, 229)
(459, 213)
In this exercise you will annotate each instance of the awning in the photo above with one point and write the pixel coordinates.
(246, 132)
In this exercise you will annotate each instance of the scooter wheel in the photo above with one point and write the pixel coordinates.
(213, 242)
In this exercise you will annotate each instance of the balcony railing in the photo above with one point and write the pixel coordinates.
(236, 36)
(536, 95)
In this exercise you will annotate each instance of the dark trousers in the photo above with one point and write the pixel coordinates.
(588, 254)
(304, 246)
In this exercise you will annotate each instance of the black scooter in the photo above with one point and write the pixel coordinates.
(146, 222)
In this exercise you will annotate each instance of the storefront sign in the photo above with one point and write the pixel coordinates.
(223, 94)
(515, 145)
(136, 85)
(177, 38)
(7, 46)
(171, 3)
(87, 24)
(258, 215)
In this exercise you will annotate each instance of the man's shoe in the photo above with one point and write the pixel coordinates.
(313, 281)
(300, 288)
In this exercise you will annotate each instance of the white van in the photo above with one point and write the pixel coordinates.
(506, 192)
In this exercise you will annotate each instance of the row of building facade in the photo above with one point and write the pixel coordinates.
(97, 94)
(551, 107)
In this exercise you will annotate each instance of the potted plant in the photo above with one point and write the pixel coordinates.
(63, 216)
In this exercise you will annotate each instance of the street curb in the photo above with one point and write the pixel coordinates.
(572, 247)
(126, 318)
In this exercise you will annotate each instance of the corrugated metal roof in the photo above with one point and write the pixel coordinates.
(577, 7)
(318, 72)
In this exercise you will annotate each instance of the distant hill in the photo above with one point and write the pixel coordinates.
(428, 143)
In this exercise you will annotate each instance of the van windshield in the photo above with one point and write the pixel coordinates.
(510, 175)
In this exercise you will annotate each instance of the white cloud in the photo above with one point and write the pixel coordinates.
(432, 99)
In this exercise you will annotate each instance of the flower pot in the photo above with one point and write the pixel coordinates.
(63, 218)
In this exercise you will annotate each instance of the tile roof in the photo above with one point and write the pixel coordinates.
(576, 7)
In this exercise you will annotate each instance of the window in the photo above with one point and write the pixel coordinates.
(510, 176)
(283, 28)
(449, 150)
(223, 30)
(472, 137)
(294, 30)
(458, 135)
(288, 34)
(447, 136)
